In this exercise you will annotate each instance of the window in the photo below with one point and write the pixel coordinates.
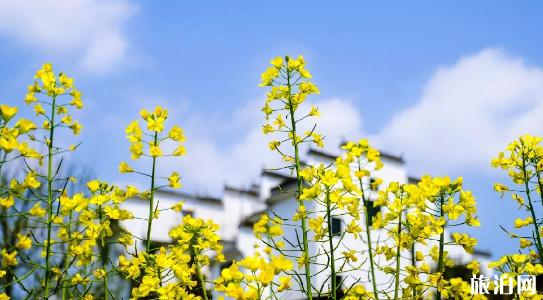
(372, 211)
(339, 290)
(339, 278)
(336, 226)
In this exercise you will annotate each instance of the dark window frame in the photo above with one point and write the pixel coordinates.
(336, 226)
(372, 211)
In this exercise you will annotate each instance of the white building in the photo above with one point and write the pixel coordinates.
(238, 210)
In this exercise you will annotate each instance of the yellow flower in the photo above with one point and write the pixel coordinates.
(354, 229)
(154, 151)
(30, 180)
(519, 258)
(329, 178)
(474, 266)
(65, 81)
(37, 211)
(39, 110)
(30, 98)
(148, 284)
(525, 243)
(9, 259)
(61, 110)
(267, 128)
(268, 76)
(180, 151)
(8, 144)
(453, 210)
(274, 144)
(144, 114)
(24, 242)
(300, 214)
(124, 168)
(3, 296)
(280, 263)
(93, 185)
(156, 125)
(25, 126)
(131, 191)
(7, 202)
(308, 88)
(163, 261)
(178, 207)
(519, 223)
(77, 279)
(137, 150)
(279, 122)
(76, 127)
(7, 112)
(176, 134)
(500, 188)
(174, 180)
(302, 261)
(285, 283)
(349, 256)
(277, 62)
(314, 112)
(67, 119)
(304, 73)
(99, 273)
(77, 99)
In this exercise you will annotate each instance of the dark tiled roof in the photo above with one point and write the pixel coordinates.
(413, 179)
(321, 153)
(252, 219)
(207, 199)
(274, 174)
(253, 193)
(482, 252)
(396, 158)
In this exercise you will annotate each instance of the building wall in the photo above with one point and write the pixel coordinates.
(236, 205)
(168, 219)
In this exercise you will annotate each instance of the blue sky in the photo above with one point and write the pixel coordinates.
(447, 85)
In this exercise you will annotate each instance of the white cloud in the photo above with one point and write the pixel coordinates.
(468, 113)
(93, 28)
(210, 162)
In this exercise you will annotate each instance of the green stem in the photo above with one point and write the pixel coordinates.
(104, 257)
(49, 197)
(67, 259)
(532, 210)
(201, 277)
(151, 202)
(414, 264)
(540, 184)
(398, 257)
(331, 244)
(19, 279)
(368, 235)
(307, 265)
(440, 264)
(269, 255)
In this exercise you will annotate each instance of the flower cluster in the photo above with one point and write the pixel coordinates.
(61, 241)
